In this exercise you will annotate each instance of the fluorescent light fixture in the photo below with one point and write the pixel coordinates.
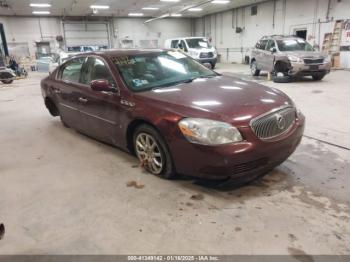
(176, 15)
(169, 0)
(41, 12)
(195, 9)
(99, 6)
(150, 8)
(222, 2)
(40, 5)
(135, 14)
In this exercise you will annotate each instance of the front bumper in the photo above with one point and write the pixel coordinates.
(301, 69)
(248, 159)
(207, 60)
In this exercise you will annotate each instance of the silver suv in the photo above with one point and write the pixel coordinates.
(287, 56)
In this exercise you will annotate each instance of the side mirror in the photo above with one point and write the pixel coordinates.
(273, 49)
(101, 85)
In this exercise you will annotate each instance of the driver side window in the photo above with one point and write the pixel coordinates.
(270, 44)
(183, 46)
(96, 69)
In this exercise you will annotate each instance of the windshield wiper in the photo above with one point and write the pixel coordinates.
(186, 81)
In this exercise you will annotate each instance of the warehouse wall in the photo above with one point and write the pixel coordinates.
(273, 17)
(33, 29)
(136, 30)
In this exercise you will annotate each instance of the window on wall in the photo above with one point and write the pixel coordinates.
(254, 10)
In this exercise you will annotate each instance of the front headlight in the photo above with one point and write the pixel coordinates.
(328, 59)
(209, 132)
(295, 59)
(193, 53)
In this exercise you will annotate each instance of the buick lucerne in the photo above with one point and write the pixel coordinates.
(176, 115)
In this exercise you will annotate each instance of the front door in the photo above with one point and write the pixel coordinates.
(100, 111)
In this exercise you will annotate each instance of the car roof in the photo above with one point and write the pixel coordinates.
(123, 52)
(187, 37)
(280, 37)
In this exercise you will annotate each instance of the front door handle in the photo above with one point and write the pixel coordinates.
(56, 90)
(83, 100)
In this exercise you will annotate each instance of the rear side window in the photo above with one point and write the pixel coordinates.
(261, 44)
(71, 70)
(270, 44)
(174, 43)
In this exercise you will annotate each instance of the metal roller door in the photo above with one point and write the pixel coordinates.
(86, 34)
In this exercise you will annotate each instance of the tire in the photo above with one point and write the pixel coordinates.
(281, 79)
(318, 77)
(213, 65)
(163, 164)
(254, 69)
(7, 81)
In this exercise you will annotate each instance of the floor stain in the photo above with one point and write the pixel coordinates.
(134, 184)
(300, 255)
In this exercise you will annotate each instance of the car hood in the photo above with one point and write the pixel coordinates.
(222, 98)
(305, 54)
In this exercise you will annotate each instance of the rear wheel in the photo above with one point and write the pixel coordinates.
(213, 65)
(318, 77)
(254, 68)
(152, 151)
(7, 81)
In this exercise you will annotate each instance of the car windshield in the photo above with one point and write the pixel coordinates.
(144, 72)
(198, 43)
(294, 45)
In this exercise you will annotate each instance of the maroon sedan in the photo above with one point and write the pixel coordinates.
(175, 114)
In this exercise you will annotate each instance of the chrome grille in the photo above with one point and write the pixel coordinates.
(274, 124)
(309, 61)
(206, 55)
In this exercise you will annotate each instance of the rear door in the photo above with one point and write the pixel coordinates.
(260, 53)
(100, 111)
(269, 56)
(68, 91)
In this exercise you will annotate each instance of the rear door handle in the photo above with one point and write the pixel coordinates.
(83, 100)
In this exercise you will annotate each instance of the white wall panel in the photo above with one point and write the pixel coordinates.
(88, 33)
(289, 15)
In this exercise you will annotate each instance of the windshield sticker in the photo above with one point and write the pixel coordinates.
(176, 54)
(123, 60)
(139, 82)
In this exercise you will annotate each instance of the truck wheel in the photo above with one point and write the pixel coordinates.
(7, 81)
(318, 77)
(254, 68)
(213, 65)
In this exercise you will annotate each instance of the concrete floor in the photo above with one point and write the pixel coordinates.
(64, 193)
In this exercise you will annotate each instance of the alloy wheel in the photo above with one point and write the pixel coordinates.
(148, 152)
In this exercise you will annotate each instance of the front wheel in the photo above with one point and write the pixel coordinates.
(318, 77)
(153, 153)
(7, 81)
(254, 68)
(280, 77)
